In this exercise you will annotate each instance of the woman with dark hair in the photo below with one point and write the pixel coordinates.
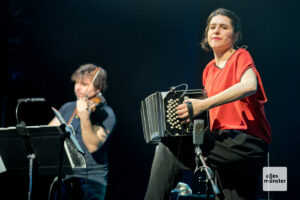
(239, 135)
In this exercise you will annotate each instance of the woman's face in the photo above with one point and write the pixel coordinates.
(220, 33)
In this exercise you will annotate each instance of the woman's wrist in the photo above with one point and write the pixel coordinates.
(201, 106)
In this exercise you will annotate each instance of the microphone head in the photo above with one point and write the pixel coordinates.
(198, 131)
(37, 99)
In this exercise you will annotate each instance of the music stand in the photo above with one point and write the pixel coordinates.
(46, 144)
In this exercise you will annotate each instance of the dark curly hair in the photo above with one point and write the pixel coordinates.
(87, 69)
(235, 22)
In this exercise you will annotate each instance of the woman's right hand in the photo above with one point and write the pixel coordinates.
(199, 106)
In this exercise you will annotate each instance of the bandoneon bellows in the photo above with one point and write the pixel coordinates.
(159, 117)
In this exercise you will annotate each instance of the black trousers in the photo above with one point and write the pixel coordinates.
(236, 157)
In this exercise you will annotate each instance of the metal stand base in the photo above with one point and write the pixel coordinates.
(208, 171)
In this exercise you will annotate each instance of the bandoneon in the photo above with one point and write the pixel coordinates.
(159, 117)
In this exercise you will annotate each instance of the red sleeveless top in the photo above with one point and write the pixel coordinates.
(247, 114)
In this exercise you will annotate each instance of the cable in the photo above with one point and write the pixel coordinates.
(17, 107)
(51, 188)
(173, 88)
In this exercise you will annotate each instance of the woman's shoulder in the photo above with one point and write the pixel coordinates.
(242, 55)
(242, 52)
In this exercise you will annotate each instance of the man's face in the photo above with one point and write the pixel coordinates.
(81, 85)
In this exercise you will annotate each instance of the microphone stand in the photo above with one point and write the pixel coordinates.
(21, 128)
(198, 135)
(208, 171)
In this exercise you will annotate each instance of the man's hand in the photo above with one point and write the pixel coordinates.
(82, 107)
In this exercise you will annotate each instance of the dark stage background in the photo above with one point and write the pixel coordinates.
(145, 46)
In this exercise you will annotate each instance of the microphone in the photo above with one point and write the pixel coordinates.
(31, 100)
(198, 132)
(198, 136)
(27, 100)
